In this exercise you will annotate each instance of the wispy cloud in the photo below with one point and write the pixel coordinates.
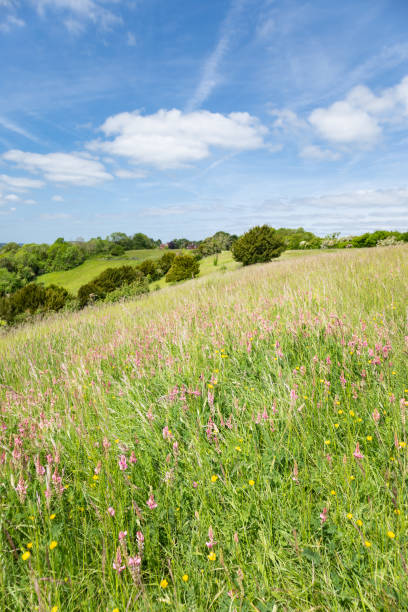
(81, 11)
(17, 129)
(10, 23)
(210, 73)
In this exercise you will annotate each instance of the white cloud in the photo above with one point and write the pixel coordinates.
(60, 167)
(55, 216)
(12, 197)
(57, 198)
(169, 139)
(130, 174)
(10, 23)
(317, 153)
(287, 119)
(210, 77)
(344, 123)
(83, 10)
(30, 202)
(19, 183)
(131, 39)
(13, 127)
(360, 117)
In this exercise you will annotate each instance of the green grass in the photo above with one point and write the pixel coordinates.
(267, 378)
(73, 279)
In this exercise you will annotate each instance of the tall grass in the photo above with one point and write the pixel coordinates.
(246, 431)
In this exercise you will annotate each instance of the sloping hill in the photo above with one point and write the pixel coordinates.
(238, 441)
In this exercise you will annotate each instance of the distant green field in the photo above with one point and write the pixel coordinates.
(73, 279)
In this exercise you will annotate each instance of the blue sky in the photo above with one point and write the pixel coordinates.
(184, 117)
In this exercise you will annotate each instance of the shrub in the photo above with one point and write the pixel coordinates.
(109, 280)
(258, 245)
(183, 267)
(32, 299)
(127, 292)
(149, 268)
(116, 250)
(165, 262)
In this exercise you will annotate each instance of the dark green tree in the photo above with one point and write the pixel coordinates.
(258, 245)
(182, 268)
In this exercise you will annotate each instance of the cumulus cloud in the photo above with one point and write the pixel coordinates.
(80, 11)
(171, 138)
(361, 116)
(57, 198)
(344, 123)
(69, 168)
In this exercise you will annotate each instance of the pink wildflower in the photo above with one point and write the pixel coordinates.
(151, 503)
(357, 454)
(211, 543)
(106, 444)
(376, 415)
(195, 484)
(323, 515)
(117, 564)
(133, 458)
(134, 561)
(122, 463)
(21, 489)
(122, 535)
(167, 435)
(111, 511)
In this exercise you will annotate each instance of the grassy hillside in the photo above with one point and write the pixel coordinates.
(73, 279)
(235, 442)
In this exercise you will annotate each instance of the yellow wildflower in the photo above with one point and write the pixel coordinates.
(359, 523)
(185, 578)
(163, 583)
(367, 544)
(52, 517)
(26, 555)
(53, 544)
(251, 482)
(214, 478)
(212, 556)
(30, 545)
(391, 534)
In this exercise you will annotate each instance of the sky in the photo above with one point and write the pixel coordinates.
(185, 117)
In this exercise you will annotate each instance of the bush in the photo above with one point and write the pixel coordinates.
(165, 262)
(128, 292)
(32, 299)
(183, 267)
(258, 245)
(117, 250)
(149, 268)
(109, 280)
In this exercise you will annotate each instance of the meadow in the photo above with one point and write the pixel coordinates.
(237, 442)
(74, 278)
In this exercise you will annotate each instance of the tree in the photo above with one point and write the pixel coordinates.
(183, 267)
(258, 245)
